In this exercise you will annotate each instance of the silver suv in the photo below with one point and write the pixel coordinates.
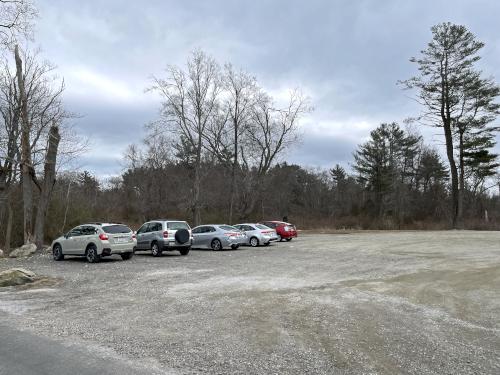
(94, 241)
(164, 235)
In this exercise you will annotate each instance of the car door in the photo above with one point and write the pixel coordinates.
(141, 235)
(72, 240)
(198, 236)
(155, 233)
(88, 235)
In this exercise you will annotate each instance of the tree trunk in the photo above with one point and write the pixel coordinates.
(454, 174)
(461, 181)
(48, 183)
(233, 172)
(26, 167)
(8, 232)
(196, 185)
(3, 195)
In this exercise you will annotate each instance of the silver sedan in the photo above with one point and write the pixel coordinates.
(257, 234)
(217, 237)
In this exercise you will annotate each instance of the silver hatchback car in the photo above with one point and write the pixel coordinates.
(217, 237)
(94, 241)
(257, 234)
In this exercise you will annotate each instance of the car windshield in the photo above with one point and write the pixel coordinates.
(116, 228)
(227, 227)
(260, 226)
(177, 225)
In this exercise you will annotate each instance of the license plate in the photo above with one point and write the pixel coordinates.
(121, 239)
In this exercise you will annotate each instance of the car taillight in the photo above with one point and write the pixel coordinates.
(286, 228)
(165, 234)
(103, 237)
(231, 234)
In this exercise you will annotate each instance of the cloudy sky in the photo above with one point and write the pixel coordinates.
(346, 55)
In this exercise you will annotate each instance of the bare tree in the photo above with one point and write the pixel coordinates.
(16, 18)
(190, 103)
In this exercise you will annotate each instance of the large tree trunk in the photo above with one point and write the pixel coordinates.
(26, 165)
(47, 185)
(454, 174)
(3, 195)
(8, 232)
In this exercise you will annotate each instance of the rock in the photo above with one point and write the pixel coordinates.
(47, 250)
(23, 251)
(1, 253)
(16, 276)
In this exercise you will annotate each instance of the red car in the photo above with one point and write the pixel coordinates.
(285, 231)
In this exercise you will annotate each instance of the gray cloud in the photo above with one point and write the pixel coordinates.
(347, 55)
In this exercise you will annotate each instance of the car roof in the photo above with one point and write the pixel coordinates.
(163, 220)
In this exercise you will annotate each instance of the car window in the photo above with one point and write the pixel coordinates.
(116, 228)
(271, 225)
(198, 230)
(88, 230)
(143, 229)
(155, 227)
(210, 230)
(260, 226)
(249, 228)
(176, 225)
(75, 232)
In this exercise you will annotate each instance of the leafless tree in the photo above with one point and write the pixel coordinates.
(190, 102)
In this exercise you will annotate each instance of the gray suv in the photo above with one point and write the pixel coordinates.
(164, 235)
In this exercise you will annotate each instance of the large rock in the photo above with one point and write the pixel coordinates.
(23, 251)
(16, 276)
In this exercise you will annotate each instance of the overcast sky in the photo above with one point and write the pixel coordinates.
(346, 55)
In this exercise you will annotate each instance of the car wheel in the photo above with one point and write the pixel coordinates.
(254, 242)
(127, 256)
(216, 245)
(155, 249)
(91, 254)
(57, 253)
(185, 251)
(235, 247)
(288, 239)
(267, 243)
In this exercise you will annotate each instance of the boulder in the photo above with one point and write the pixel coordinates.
(16, 276)
(23, 251)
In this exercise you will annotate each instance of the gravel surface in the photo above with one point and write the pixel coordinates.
(377, 302)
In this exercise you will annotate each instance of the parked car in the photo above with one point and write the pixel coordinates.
(217, 237)
(285, 231)
(94, 241)
(257, 234)
(158, 236)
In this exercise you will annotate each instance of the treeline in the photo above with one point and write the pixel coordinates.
(397, 182)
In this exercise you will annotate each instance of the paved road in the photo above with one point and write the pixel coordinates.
(24, 353)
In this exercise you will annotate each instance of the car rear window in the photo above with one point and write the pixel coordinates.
(117, 228)
(176, 225)
(260, 226)
(227, 227)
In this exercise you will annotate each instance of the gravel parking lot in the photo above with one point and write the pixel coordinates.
(374, 302)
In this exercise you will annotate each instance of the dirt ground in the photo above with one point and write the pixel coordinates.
(360, 303)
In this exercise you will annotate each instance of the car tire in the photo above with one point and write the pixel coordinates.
(235, 247)
(254, 242)
(155, 249)
(288, 239)
(185, 251)
(216, 245)
(267, 243)
(127, 256)
(57, 253)
(91, 254)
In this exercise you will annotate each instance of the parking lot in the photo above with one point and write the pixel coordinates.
(371, 302)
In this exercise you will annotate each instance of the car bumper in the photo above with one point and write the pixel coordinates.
(110, 249)
(174, 245)
(228, 241)
(289, 234)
